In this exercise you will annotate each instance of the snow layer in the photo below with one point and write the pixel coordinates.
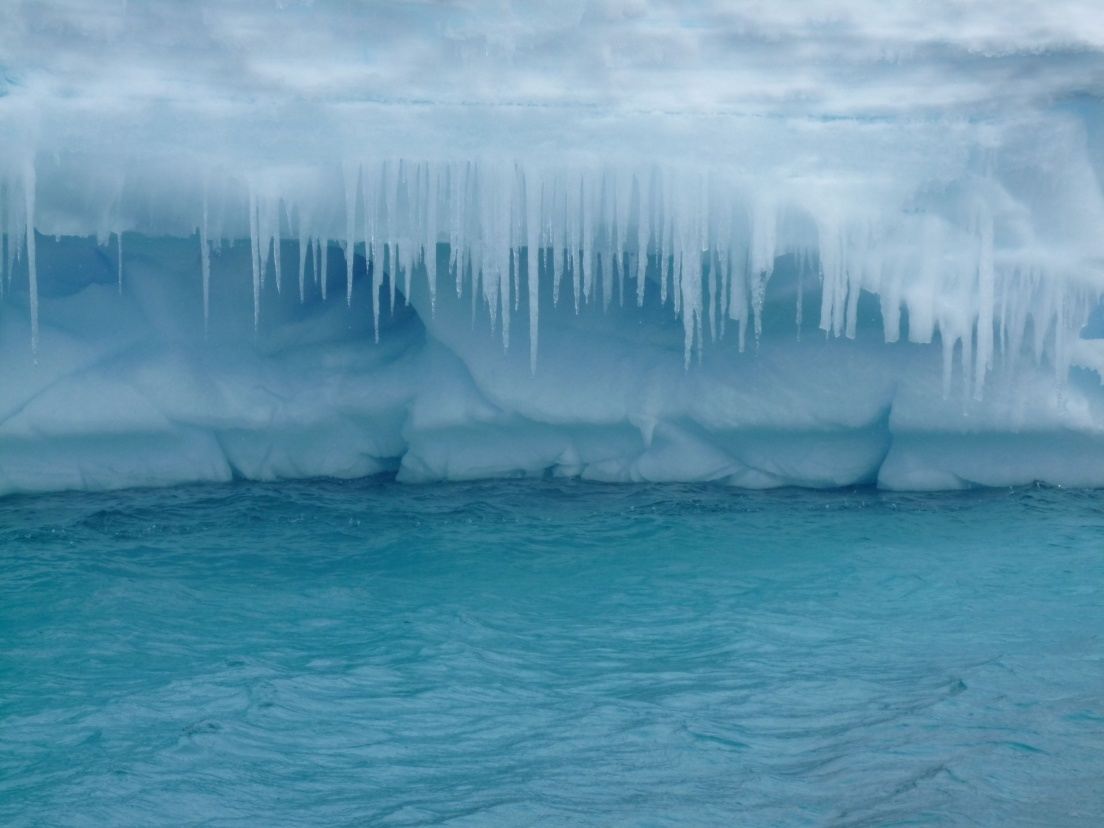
(804, 243)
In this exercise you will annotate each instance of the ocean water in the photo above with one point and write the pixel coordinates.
(551, 653)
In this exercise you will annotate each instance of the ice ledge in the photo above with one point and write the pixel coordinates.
(371, 421)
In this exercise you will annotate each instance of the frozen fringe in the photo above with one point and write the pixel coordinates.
(703, 242)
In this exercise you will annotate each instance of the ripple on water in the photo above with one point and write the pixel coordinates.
(550, 652)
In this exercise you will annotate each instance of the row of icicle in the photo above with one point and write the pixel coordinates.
(711, 247)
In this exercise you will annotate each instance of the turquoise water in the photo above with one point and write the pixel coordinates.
(521, 653)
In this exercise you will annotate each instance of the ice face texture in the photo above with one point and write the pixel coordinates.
(818, 244)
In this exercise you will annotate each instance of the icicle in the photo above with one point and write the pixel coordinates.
(829, 255)
(587, 218)
(967, 338)
(4, 240)
(566, 236)
(890, 300)
(544, 231)
(532, 228)
(517, 218)
(1042, 315)
(948, 342)
(388, 213)
(636, 210)
(554, 230)
(32, 269)
(738, 293)
(655, 229)
(604, 243)
(324, 270)
(1003, 312)
(205, 263)
(481, 260)
(710, 284)
(799, 310)
(698, 250)
(1019, 290)
(920, 300)
(264, 238)
(119, 258)
(859, 262)
(433, 186)
(984, 355)
(625, 236)
(494, 245)
(677, 244)
(708, 302)
(579, 268)
(667, 246)
(457, 196)
(371, 266)
(16, 227)
(304, 252)
(764, 234)
(500, 249)
(352, 174)
(473, 246)
(670, 257)
(725, 243)
(404, 238)
(317, 242)
(254, 249)
(276, 242)
(688, 268)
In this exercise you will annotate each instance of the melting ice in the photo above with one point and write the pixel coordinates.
(821, 244)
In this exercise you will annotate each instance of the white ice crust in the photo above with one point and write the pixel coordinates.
(808, 243)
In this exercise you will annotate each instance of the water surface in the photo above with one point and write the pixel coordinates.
(550, 653)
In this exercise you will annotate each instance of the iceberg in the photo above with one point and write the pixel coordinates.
(825, 244)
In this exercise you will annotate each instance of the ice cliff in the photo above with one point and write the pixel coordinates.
(815, 244)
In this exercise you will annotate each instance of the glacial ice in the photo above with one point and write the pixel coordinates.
(819, 245)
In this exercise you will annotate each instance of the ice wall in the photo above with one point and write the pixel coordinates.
(815, 243)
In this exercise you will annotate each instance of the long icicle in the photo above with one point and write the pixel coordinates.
(205, 263)
(32, 268)
(372, 267)
(532, 256)
(352, 174)
(304, 251)
(254, 249)
(276, 244)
